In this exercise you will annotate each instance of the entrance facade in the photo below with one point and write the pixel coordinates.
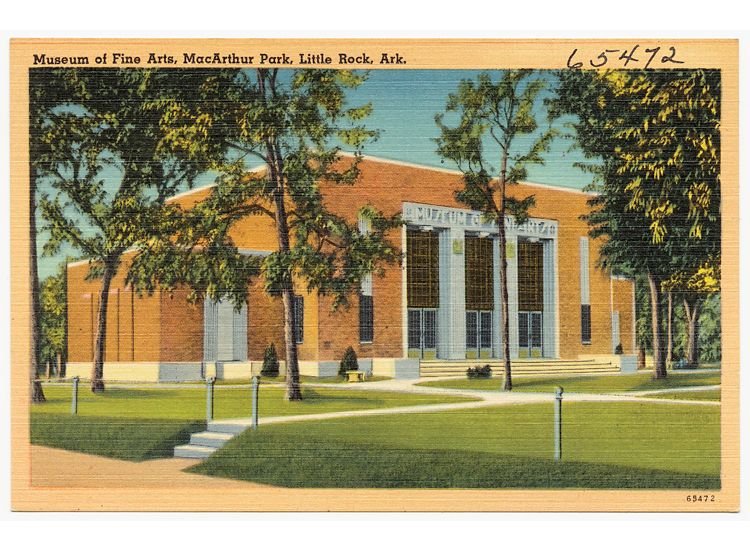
(452, 286)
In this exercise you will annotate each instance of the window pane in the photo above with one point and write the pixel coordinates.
(471, 329)
(536, 330)
(586, 324)
(366, 325)
(430, 328)
(523, 330)
(422, 269)
(479, 273)
(298, 318)
(530, 276)
(415, 329)
(486, 330)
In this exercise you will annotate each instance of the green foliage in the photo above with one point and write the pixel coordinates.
(270, 362)
(653, 139)
(145, 126)
(709, 331)
(498, 113)
(348, 361)
(479, 372)
(53, 301)
(295, 124)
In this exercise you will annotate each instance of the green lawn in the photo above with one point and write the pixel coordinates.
(698, 395)
(189, 403)
(613, 445)
(585, 384)
(304, 379)
(122, 438)
(138, 424)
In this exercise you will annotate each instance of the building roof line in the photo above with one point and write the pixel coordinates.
(406, 164)
(459, 173)
(189, 192)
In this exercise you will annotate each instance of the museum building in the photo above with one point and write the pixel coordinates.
(441, 306)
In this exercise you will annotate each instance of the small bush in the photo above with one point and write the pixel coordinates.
(349, 361)
(479, 372)
(270, 362)
(618, 349)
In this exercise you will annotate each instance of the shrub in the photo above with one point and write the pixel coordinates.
(348, 362)
(618, 349)
(479, 372)
(270, 362)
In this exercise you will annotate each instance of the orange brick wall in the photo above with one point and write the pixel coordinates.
(126, 340)
(265, 323)
(181, 328)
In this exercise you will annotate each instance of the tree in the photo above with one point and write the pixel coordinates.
(116, 144)
(270, 362)
(348, 361)
(43, 90)
(295, 124)
(497, 113)
(653, 137)
(54, 320)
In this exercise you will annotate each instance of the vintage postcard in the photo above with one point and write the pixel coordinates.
(375, 275)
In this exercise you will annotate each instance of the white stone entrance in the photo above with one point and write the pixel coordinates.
(451, 225)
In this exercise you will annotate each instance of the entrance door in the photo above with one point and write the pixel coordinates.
(478, 334)
(422, 333)
(530, 334)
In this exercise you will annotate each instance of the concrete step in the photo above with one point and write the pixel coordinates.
(193, 451)
(233, 428)
(210, 439)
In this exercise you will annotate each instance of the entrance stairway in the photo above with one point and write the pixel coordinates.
(204, 444)
(435, 368)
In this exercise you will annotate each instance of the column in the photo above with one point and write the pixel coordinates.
(210, 313)
(549, 323)
(512, 256)
(497, 330)
(452, 311)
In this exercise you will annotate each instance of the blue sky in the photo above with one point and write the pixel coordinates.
(405, 103)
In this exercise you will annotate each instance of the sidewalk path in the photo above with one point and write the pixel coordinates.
(484, 398)
(54, 468)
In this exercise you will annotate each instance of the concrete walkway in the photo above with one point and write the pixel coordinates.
(483, 398)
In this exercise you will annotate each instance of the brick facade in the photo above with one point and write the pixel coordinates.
(166, 328)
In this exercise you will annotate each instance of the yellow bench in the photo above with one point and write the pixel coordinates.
(355, 376)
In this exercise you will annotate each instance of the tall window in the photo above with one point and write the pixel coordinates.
(298, 318)
(585, 303)
(422, 270)
(366, 319)
(479, 274)
(585, 324)
(530, 276)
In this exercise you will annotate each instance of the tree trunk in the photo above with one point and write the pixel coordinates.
(276, 174)
(692, 313)
(97, 370)
(670, 336)
(508, 381)
(293, 391)
(641, 359)
(660, 367)
(36, 391)
(49, 367)
(61, 365)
